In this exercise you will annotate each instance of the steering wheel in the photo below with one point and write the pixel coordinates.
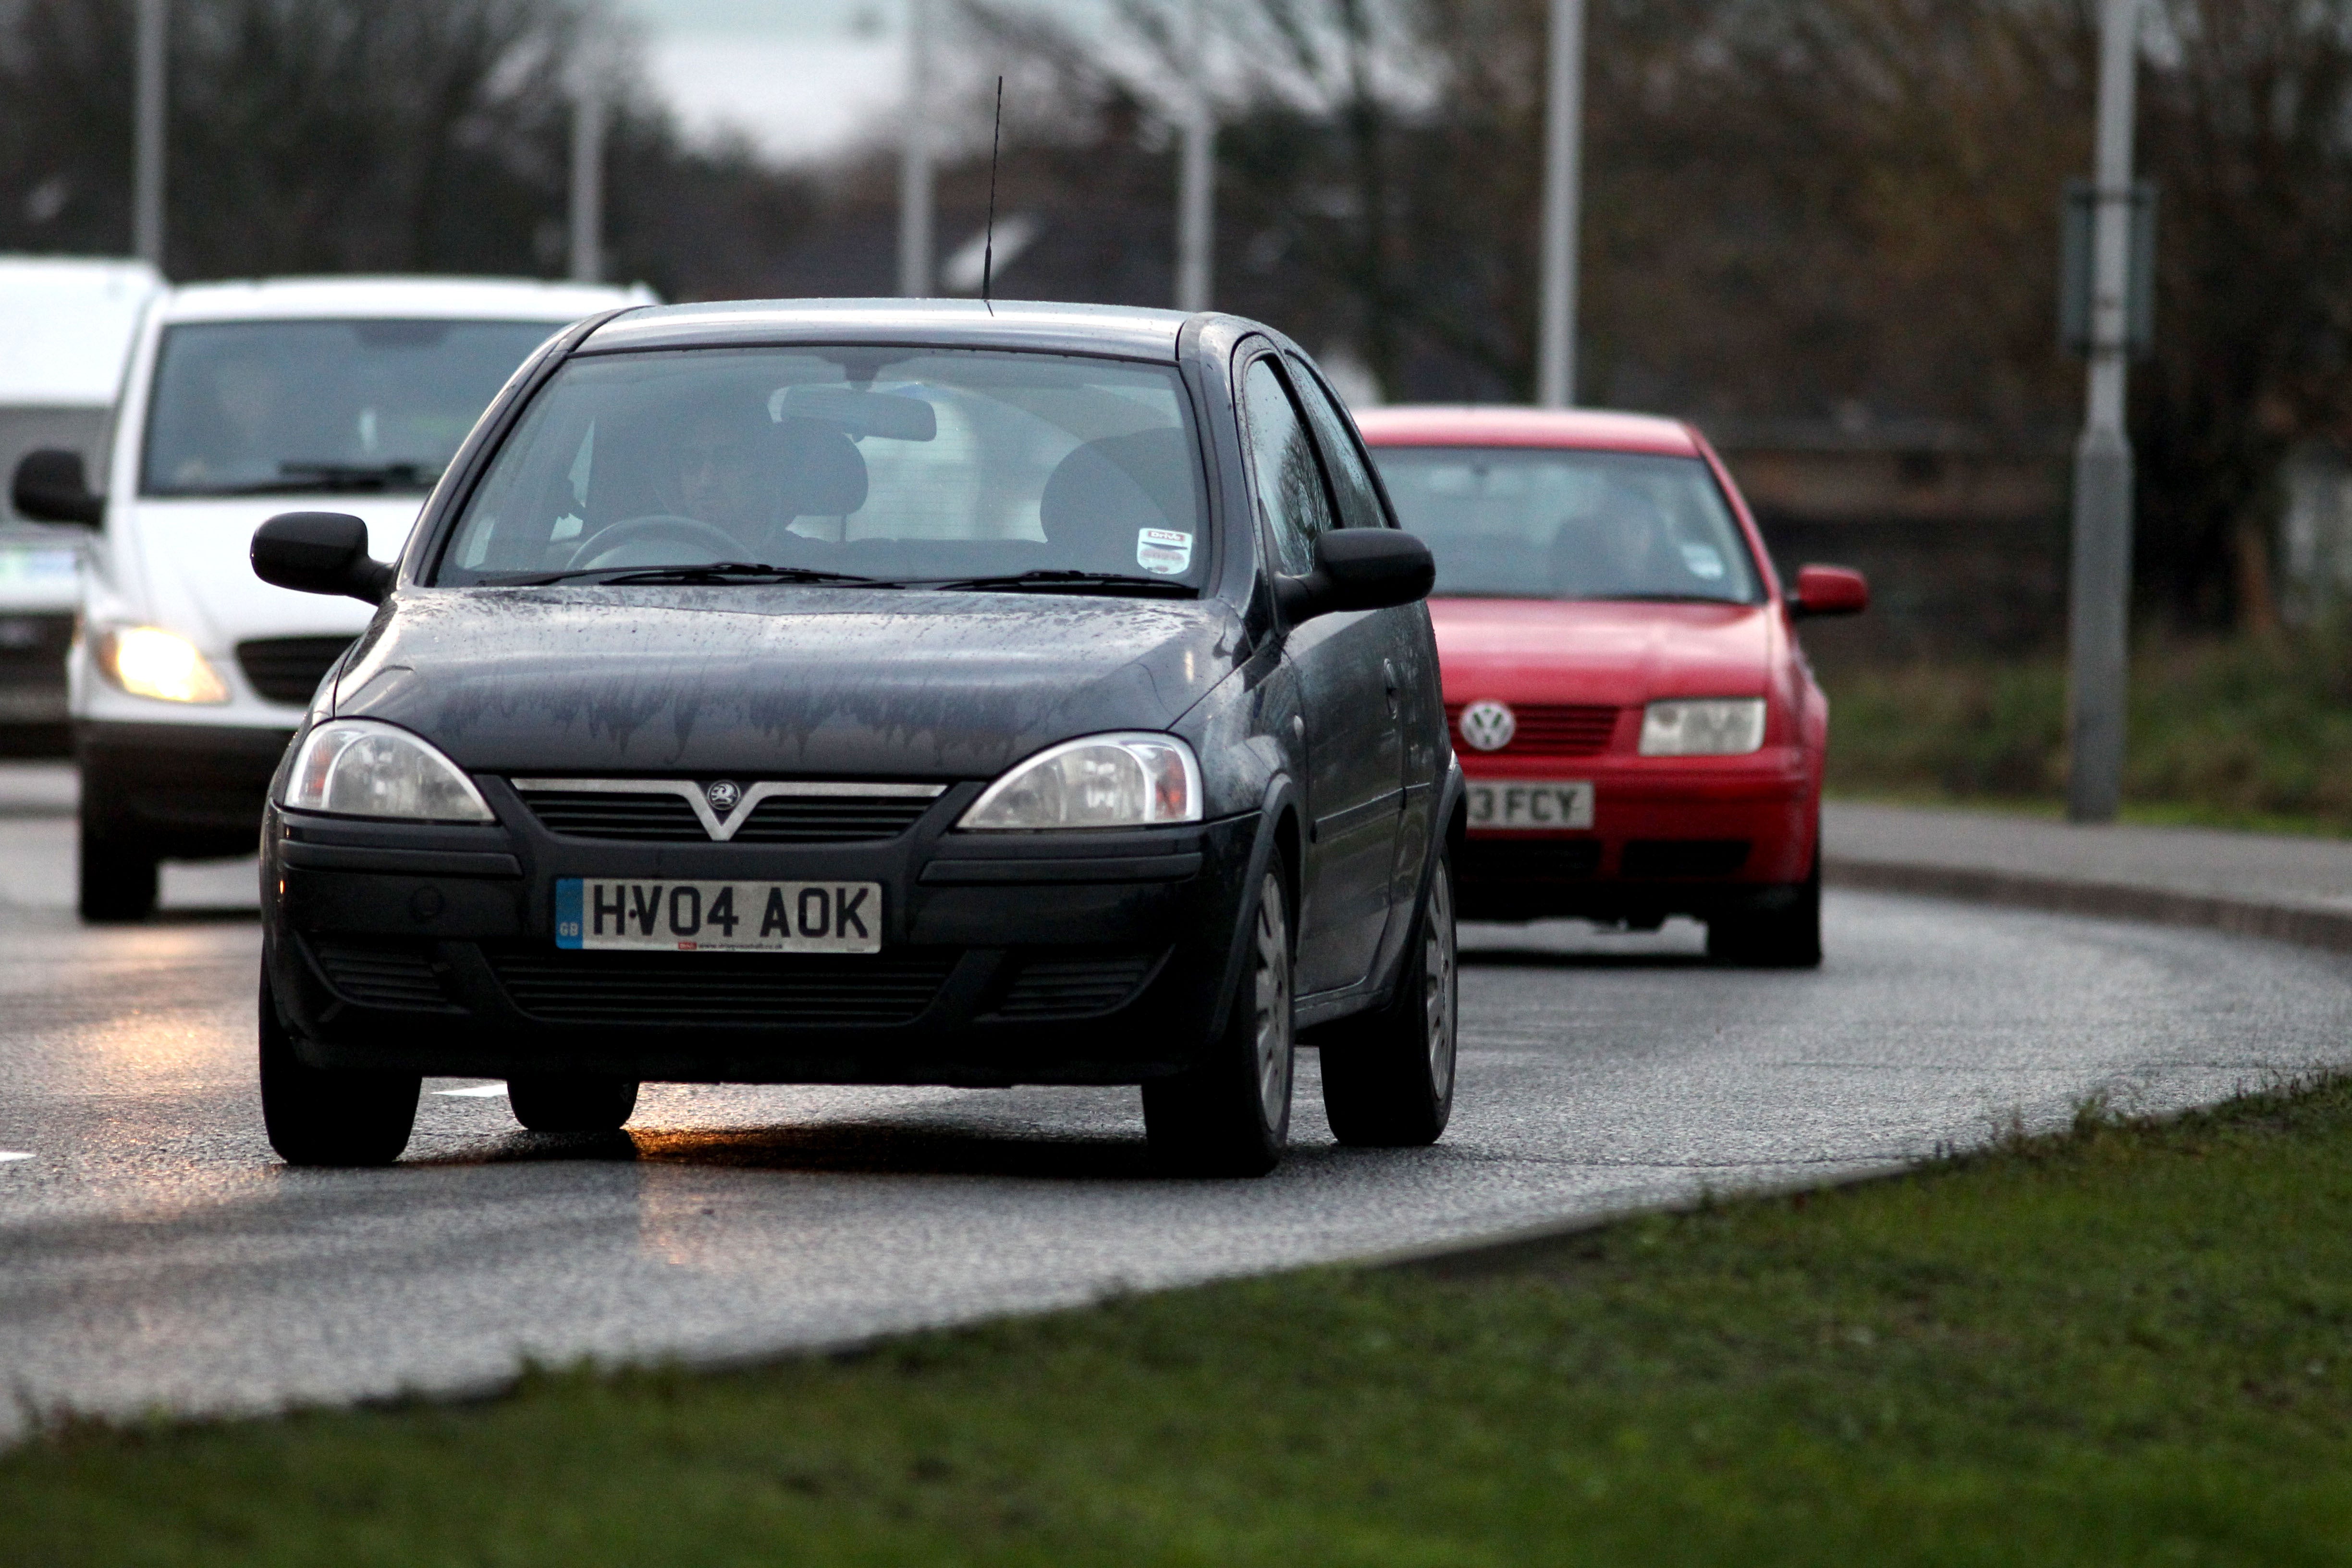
(590, 551)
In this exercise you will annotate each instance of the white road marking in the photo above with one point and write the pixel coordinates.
(7, 1154)
(479, 1091)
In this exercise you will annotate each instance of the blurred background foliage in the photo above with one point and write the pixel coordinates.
(1835, 218)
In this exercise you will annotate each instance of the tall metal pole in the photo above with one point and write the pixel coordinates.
(1196, 199)
(1562, 198)
(147, 136)
(2099, 633)
(588, 114)
(915, 246)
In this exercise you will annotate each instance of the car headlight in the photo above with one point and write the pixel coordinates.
(358, 767)
(1103, 780)
(1709, 727)
(148, 661)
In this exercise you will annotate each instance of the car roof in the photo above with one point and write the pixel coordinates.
(461, 299)
(1489, 425)
(1127, 332)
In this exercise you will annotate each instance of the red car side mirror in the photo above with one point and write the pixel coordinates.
(1829, 591)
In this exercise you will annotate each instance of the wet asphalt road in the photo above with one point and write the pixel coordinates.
(153, 1252)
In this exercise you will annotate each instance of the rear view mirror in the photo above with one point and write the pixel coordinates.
(893, 416)
(51, 486)
(1359, 569)
(319, 553)
(1829, 591)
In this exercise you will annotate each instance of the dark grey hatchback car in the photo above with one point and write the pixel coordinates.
(875, 692)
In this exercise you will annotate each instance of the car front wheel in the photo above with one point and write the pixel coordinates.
(1388, 1075)
(116, 876)
(1788, 936)
(1231, 1116)
(330, 1116)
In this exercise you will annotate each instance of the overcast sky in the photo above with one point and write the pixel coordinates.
(801, 77)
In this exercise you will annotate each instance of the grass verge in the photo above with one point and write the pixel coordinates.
(2253, 732)
(2131, 1343)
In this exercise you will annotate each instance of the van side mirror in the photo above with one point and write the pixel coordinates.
(51, 486)
(1359, 569)
(1829, 591)
(319, 553)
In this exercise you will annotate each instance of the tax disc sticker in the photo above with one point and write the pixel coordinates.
(1162, 550)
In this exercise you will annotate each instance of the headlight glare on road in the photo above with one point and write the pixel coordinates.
(148, 661)
(1103, 780)
(1706, 726)
(356, 767)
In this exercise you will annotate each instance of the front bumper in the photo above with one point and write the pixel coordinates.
(1032, 958)
(184, 790)
(1669, 836)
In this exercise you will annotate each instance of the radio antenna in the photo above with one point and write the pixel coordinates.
(987, 245)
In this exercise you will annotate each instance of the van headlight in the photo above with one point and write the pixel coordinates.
(1709, 727)
(1102, 781)
(148, 661)
(358, 767)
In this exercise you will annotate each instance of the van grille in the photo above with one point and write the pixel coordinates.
(289, 670)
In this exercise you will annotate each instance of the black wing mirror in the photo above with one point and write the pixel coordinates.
(1359, 569)
(319, 553)
(52, 487)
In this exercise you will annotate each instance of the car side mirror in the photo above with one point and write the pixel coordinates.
(1829, 591)
(51, 486)
(1359, 569)
(319, 553)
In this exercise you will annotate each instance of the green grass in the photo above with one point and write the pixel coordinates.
(2252, 732)
(2132, 1343)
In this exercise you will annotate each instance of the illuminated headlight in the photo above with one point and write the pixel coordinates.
(357, 767)
(148, 661)
(1710, 727)
(1103, 780)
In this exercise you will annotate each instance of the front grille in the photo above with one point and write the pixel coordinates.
(1529, 859)
(289, 670)
(384, 974)
(779, 820)
(1550, 730)
(772, 990)
(1646, 858)
(1046, 988)
(659, 818)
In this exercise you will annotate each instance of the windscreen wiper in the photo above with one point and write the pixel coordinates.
(312, 478)
(705, 572)
(1055, 580)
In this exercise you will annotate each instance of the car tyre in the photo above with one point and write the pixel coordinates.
(1388, 1075)
(572, 1102)
(116, 876)
(1231, 1116)
(330, 1116)
(1788, 937)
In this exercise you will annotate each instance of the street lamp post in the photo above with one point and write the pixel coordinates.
(1562, 197)
(915, 244)
(2099, 631)
(1197, 179)
(147, 150)
(588, 114)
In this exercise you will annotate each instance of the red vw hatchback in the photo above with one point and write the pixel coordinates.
(1642, 733)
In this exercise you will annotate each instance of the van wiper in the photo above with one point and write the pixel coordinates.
(313, 479)
(705, 572)
(1052, 581)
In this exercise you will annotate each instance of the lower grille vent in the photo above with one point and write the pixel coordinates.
(384, 974)
(1046, 988)
(770, 990)
(1530, 859)
(1647, 857)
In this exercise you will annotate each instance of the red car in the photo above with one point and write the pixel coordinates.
(1642, 733)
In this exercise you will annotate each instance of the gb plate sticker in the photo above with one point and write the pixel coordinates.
(1162, 550)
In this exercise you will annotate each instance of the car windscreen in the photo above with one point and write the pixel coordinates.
(911, 465)
(1546, 523)
(285, 407)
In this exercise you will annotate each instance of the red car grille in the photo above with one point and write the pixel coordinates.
(1546, 730)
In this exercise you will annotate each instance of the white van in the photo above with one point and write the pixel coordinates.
(65, 327)
(245, 400)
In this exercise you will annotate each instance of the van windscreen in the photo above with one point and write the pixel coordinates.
(321, 406)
